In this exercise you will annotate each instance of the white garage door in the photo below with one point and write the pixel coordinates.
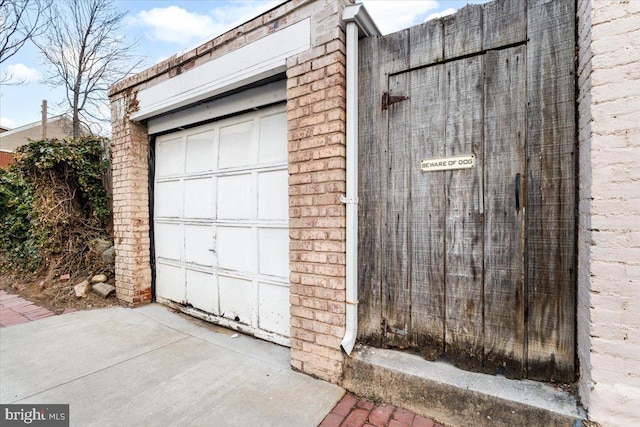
(221, 222)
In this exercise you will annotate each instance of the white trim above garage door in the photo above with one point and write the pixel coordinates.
(264, 58)
(246, 100)
(221, 222)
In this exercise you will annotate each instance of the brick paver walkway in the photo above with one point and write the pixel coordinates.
(14, 309)
(353, 411)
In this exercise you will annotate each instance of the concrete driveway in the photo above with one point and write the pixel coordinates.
(152, 367)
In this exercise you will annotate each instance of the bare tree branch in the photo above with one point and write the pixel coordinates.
(86, 55)
(20, 21)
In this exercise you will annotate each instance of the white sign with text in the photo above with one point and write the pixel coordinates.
(448, 163)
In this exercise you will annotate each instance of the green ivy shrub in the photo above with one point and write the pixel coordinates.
(52, 199)
(19, 238)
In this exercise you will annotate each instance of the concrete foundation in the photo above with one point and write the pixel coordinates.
(454, 397)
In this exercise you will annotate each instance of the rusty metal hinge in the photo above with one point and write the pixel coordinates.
(387, 328)
(391, 99)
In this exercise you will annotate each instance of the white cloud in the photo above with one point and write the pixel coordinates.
(238, 12)
(20, 74)
(174, 24)
(177, 25)
(445, 12)
(391, 16)
(7, 123)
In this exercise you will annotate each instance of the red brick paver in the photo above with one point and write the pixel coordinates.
(403, 416)
(332, 420)
(15, 310)
(356, 418)
(345, 405)
(366, 404)
(381, 415)
(352, 411)
(419, 421)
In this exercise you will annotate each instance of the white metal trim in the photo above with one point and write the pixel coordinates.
(358, 14)
(261, 59)
(359, 24)
(246, 100)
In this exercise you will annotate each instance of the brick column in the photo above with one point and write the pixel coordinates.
(130, 168)
(584, 221)
(316, 115)
(609, 227)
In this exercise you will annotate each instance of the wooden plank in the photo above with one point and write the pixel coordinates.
(427, 212)
(394, 57)
(394, 53)
(426, 44)
(369, 193)
(463, 32)
(396, 301)
(504, 175)
(426, 223)
(504, 23)
(464, 210)
(376, 283)
(551, 197)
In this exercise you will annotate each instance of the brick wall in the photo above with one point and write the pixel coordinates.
(316, 114)
(316, 141)
(609, 224)
(584, 194)
(130, 169)
(5, 159)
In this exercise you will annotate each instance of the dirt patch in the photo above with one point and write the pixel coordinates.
(54, 293)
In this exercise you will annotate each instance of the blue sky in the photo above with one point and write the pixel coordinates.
(166, 27)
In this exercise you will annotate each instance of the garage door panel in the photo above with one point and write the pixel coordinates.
(170, 157)
(273, 249)
(237, 298)
(273, 146)
(168, 199)
(273, 308)
(170, 282)
(234, 248)
(234, 197)
(220, 220)
(237, 145)
(199, 196)
(199, 244)
(202, 291)
(200, 152)
(169, 241)
(273, 203)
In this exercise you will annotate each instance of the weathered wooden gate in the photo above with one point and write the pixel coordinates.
(476, 265)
